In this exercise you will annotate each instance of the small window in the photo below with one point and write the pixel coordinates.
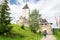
(45, 24)
(41, 24)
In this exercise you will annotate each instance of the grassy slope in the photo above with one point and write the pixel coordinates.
(26, 32)
(57, 37)
(57, 34)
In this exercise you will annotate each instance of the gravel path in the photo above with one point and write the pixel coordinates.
(49, 37)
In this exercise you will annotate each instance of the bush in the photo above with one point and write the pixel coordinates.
(56, 32)
(22, 27)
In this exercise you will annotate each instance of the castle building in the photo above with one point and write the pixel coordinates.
(25, 15)
(44, 25)
(25, 11)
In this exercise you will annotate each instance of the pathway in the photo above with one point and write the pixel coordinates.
(49, 37)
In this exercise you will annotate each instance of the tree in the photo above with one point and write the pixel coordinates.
(34, 20)
(5, 18)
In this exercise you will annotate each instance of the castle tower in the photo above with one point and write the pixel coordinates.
(24, 17)
(25, 11)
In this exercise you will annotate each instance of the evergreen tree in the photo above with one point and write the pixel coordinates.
(4, 18)
(34, 20)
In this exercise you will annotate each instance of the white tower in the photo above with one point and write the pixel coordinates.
(25, 11)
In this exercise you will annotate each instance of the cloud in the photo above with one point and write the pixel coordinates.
(1, 1)
(12, 1)
(15, 11)
(48, 8)
(31, 1)
(26, 0)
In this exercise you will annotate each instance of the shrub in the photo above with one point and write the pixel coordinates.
(56, 32)
(22, 27)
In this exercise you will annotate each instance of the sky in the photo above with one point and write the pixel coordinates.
(49, 9)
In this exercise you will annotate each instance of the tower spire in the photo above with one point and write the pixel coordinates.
(25, 7)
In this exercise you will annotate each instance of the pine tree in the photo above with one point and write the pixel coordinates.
(34, 20)
(4, 18)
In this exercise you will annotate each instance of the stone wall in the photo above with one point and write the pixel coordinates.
(47, 28)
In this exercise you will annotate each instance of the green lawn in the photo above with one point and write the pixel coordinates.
(57, 34)
(36, 37)
(28, 35)
(57, 37)
(10, 38)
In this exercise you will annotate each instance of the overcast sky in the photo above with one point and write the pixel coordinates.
(49, 9)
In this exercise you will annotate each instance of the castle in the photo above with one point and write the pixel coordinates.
(44, 25)
(25, 15)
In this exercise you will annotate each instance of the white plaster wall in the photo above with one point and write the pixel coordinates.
(25, 13)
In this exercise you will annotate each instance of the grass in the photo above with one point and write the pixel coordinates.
(57, 34)
(36, 37)
(9, 38)
(57, 37)
(28, 35)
